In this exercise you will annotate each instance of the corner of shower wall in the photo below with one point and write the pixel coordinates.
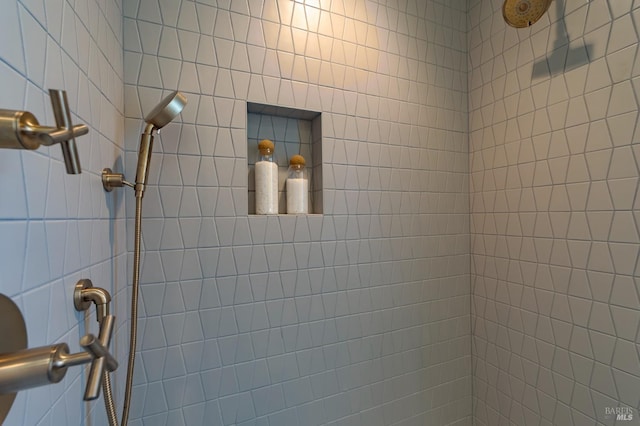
(553, 116)
(58, 228)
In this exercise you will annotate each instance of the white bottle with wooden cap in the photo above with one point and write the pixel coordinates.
(297, 186)
(266, 179)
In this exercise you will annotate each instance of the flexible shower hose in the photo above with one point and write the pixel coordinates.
(133, 336)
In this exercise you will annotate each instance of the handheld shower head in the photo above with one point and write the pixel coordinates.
(160, 116)
(166, 110)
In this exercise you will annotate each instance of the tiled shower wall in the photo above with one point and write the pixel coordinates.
(57, 228)
(554, 181)
(358, 316)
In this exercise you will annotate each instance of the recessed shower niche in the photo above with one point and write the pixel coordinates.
(293, 131)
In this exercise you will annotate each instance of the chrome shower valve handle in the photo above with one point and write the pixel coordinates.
(84, 294)
(28, 368)
(48, 364)
(102, 360)
(21, 130)
(62, 114)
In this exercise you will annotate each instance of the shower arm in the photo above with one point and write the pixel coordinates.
(562, 27)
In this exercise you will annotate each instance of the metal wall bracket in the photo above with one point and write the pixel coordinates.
(112, 180)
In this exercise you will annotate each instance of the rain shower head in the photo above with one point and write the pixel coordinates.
(524, 13)
(160, 116)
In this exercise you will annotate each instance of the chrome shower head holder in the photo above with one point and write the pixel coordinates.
(163, 113)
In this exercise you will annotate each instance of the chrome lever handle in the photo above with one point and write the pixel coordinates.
(21, 130)
(22, 368)
(99, 347)
(67, 140)
(102, 359)
(52, 135)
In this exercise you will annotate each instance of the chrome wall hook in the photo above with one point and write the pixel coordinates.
(21, 130)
